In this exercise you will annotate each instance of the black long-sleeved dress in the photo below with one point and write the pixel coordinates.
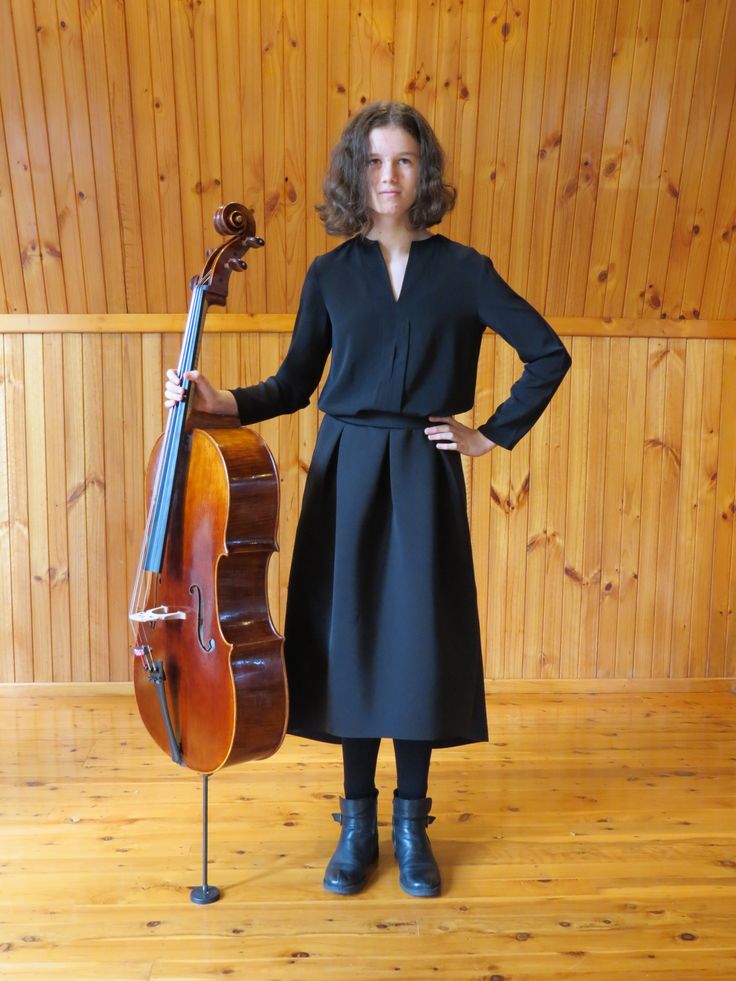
(381, 629)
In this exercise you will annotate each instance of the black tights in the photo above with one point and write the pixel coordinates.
(412, 767)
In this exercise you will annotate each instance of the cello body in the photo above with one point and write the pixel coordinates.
(225, 679)
(209, 673)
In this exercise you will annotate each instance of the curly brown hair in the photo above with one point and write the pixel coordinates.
(345, 210)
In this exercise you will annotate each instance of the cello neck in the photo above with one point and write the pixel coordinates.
(160, 507)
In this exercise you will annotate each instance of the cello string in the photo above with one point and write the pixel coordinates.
(169, 448)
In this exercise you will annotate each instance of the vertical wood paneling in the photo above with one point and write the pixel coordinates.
(96, 493)
(591, 145)
(630, 160)
(571, 175)
(135, 30)
(603, 549)
(7, 667)
(229, 101)
(544, 201)
(711, 176)
(549, 655)
(405, 70)
(631, 518)
(652, 151)
(13, 287)
(575, 581)
(513, 34)
(20, 185)
(169, 178)
(117, 436)
(138, 241)
(725, 513)
(20, 571)
(668, 506)
(75, 504)
(590, 585)
(681, 106)
(609, 588)
(101, 137)
(654, 449)
(687, 514)
(39, 157)
(188, 136)
(500, 493)
(273, 149)
(481, 504)
(466, 122)
(710, 58)
(89, 211)
(447, 74)
(55, 499)
(730, 627)
(207, 72)
(251, 100)
(61, 153)
(707, 482)
(534, 574)
(622, 59)
(295, 143)
(38, 519)
(486, 162)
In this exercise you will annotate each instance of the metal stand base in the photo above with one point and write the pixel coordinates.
(204, 895)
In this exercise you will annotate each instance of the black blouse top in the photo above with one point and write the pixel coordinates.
(416, 356)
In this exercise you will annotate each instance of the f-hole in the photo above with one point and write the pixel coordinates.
(207, 648)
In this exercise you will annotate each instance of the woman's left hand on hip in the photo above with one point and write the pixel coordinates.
(453, 435)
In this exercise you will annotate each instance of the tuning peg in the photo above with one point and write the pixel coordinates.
(236, 264)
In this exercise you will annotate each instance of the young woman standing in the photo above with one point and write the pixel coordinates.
(381, 630)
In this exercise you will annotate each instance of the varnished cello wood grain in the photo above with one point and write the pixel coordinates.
(592, 838)
(225, 680)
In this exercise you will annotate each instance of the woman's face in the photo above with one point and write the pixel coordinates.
(393, 172)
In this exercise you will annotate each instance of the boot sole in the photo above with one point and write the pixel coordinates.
(351, 890)
(422, 892)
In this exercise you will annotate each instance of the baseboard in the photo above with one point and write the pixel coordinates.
(67, 688)
(493, 686)
(594, 686)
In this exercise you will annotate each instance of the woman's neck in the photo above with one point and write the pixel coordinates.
(395, 238)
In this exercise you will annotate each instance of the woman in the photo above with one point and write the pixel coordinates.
(381, 630)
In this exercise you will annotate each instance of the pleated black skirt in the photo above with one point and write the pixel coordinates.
(381, 631)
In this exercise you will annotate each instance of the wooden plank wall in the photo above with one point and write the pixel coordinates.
(594, 148)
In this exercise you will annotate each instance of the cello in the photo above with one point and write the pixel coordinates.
(209, 673)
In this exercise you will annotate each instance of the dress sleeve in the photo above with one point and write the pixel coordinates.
(546, 360)
(300, 371)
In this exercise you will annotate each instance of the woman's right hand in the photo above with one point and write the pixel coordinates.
(203, 395)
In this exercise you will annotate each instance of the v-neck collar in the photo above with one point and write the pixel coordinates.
(372, 245)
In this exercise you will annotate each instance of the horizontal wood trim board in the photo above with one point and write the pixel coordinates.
(493, 686)
(283, 323)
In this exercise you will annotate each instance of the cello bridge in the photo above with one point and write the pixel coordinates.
(158, 613)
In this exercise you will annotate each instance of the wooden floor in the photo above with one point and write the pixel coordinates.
(593, 837)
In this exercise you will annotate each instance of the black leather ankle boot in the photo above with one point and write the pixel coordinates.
(357, 850)
(418, 871)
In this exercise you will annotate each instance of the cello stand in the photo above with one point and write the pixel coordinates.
(204, 895)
